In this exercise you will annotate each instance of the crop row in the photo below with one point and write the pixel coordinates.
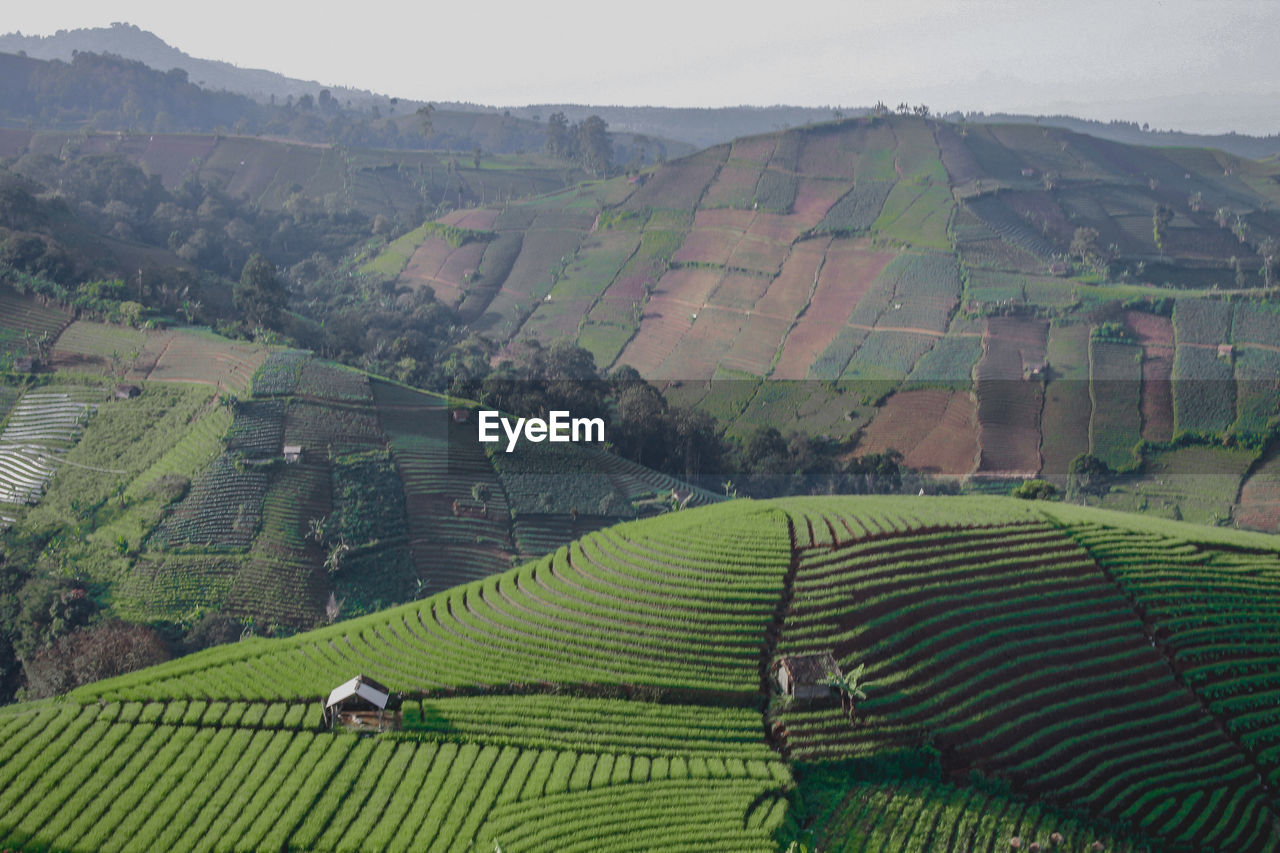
(918, 816)
(40, 425)
(223, 508)
(193, 776)
(558, 722)
(278, 375)
(942, 623)
(621, 608)
(257, 428)
(1204, 390)
(331, 382)
(1216, 612)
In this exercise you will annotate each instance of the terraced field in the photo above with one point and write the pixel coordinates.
(41, 426)
(609, 696)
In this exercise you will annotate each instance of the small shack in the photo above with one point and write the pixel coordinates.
(461, 416)
(801, 676)
(127, 392)
(292, 453)
(360, 703)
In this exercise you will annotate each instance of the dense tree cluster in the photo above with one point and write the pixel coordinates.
(587, 142)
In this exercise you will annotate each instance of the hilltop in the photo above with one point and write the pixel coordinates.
(1034, 293)
(1030, 669)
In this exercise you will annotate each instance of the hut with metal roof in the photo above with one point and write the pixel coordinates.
(361, 702)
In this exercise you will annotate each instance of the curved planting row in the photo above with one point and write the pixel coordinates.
(1217, 619)
(1016, 655)
(917, 816)
(687, 609)
(42, 424)
(195, 777)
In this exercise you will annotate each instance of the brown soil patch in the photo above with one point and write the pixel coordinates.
(934, 429)
(733, 220)
(478, 219)
(1009, 406)
(1149, 329)
(846, 275)
(1259, 505)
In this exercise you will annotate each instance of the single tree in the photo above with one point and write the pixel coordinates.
(1084, 245)
(259, 296)
(1161, 217)
(1087, 475)
(1267, 249)
(596, 145)
(558, 137)
(424, 115)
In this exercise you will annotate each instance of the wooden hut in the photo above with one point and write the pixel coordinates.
(292, 453)
(127, 392)
(360, 702)
(801, 676)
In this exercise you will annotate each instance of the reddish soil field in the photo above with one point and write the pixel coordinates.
(1157, 395)
(757, 149)
(441, 267)
(477, 219)
(1156, 336)
(735, 184)
(814, 198)
(760, 255)
(1150, 329)
(664, 323)
(689, 287)
(740, 291)
(824, 156)
(703, 346)
(846, 275)
(790, 290)
(1259, 505)
(935, 430)
(707, 246)
(734, 220)
(1008, 405)
(776, 227)
(756, 344)
(170, 155)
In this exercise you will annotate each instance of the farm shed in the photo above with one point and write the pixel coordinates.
(127, 392)
(801, 675)
(360, 702)
(292, 452)
(461, 416)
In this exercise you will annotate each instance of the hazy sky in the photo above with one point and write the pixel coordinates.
(1192, 64)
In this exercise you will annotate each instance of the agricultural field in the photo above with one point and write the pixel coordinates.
(1068, 404)
(1115, 389)
(1009, 399)
(1204, 390)
(534, 711)
(935, 430)
(40, 427)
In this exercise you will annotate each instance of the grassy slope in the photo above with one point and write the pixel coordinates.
(679, 609)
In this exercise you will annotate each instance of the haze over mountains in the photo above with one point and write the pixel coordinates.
(697, 126)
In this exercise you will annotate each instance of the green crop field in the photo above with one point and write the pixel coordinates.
(1040, 672)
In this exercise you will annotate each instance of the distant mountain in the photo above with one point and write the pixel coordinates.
(699, 127)
(132, 42)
